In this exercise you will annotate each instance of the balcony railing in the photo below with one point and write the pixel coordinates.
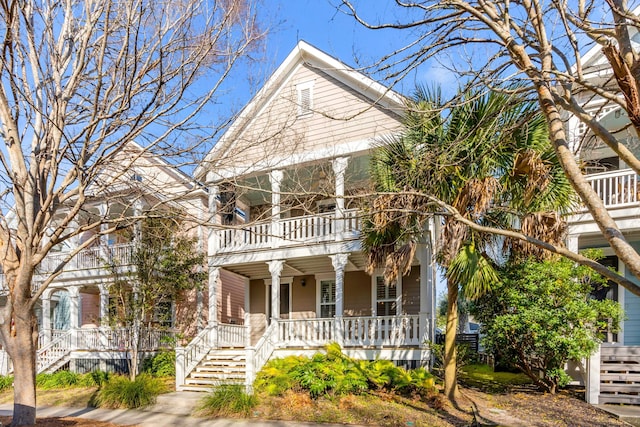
(95, 257)
(296, 230)
(616, 188)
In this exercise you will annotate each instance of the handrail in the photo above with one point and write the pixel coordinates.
(197, 349)
(93, 257)
(53, 352)
(295, 230)
(616, 188)
(260, 354)
(232, 335)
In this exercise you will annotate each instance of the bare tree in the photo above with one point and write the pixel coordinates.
(547, 48)
(79, 81)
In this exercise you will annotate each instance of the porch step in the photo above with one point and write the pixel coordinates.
(219, 367)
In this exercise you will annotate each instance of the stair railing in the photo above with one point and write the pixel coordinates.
(53, 352)
(258, 355)
(187, 358)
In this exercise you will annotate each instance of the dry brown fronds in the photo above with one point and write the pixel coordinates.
(398, 263)
(476, 196)
(450, 240)
(529, 164)
(549, 227)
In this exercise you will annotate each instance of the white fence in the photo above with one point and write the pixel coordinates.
(616, 188)
(301, 229)
(96, 257)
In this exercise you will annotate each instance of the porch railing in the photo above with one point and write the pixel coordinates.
(352, 331)
(259, 355)
(616, 188)
(53, 352)
(96, 257)
(302, 229)
(231, 335)
(306, 332)
(382, 330)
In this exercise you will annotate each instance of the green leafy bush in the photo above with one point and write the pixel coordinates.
(336, 373)
(228, 400)
(162, 364)
(6, 382)
(120, 392)
(541, 315)
(59, 379)
(97, 378)
(67, 379)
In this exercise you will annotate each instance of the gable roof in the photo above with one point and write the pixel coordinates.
(303, 53)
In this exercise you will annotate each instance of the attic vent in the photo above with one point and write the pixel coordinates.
(305, 98)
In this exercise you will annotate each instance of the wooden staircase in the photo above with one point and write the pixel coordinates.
(218, 367)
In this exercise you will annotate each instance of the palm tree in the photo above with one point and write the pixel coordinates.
(489, 158)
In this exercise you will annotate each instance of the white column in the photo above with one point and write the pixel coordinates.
(214, 277)
(74, 314)
(137, 226)
(275, 268)
(46, 316)
(427, 293)
(103, 209)
(339, 262)
(339, 167)
(275, 177)
(572, 242)
(592, 383)
(74, 307)
(213, 241)
(104, 305)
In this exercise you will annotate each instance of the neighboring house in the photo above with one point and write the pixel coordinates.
(286, 183)
(619, 188)
(73, 312)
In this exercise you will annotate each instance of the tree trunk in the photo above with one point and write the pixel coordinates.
(450, 359)
(23, 355)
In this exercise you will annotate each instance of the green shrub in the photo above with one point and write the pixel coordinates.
(59, 379)
(228, 400)
(162, 364)
(96, 378)
(335, 373)
(542, 314)
(120, 392)
(6, 382)
(275, 377)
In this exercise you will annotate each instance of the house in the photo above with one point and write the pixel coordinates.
(75, 331)
(286, 183)
(612, 370)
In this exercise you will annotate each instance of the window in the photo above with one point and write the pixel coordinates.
(327, 298)
(163, 314)
(386, 302)
(305, 98)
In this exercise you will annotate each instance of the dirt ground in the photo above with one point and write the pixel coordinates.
(518, 407)
(63, 422)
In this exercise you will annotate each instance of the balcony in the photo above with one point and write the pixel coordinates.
(90, 258)
(616, 188)
(292, 231)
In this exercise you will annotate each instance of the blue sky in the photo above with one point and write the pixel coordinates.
(319, 23)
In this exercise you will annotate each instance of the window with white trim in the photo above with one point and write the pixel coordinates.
(305, 98)
(327, 298)
(386, 297)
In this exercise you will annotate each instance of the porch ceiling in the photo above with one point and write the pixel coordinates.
(298, 266)
(596, 240)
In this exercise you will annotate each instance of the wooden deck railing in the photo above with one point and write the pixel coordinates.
(616, 188)
(296, 230)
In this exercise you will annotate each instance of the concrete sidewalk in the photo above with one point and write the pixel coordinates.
(149, 419)
(629, 413)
